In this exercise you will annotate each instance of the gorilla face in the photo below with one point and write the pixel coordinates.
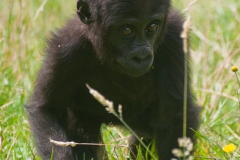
(127, 39)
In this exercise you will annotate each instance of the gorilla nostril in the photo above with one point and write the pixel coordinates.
(139, 59)
(136, 60)
(149, 57)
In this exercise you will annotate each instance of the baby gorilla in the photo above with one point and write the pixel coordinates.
(131, 52)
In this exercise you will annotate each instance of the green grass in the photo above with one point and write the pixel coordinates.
(215, 48)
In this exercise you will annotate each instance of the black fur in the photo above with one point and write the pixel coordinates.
(150, 89)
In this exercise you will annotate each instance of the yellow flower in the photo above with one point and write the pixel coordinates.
(235, 68)
(229, 148)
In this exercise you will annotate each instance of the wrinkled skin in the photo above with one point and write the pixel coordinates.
(131, 52)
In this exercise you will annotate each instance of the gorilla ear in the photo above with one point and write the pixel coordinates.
(83, 11)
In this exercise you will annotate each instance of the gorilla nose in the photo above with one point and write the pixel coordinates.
(137, 62)
(141, 60)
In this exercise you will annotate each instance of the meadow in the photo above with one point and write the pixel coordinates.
(215, 48)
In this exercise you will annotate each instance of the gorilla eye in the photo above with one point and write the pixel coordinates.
(126, 30)
(152, 27)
